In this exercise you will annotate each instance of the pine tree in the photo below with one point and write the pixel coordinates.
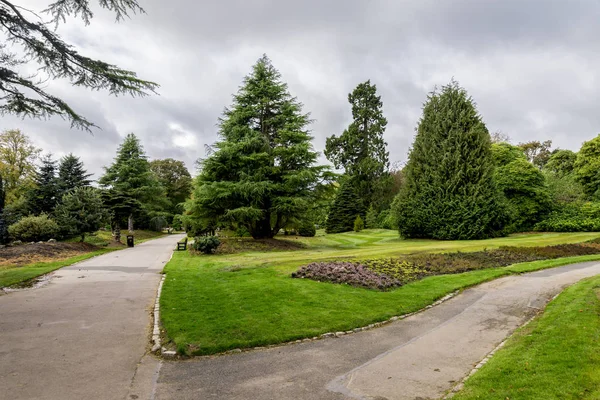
(261, 174)
(371, 218)
(81, 211)
(346, 206)
(449, 192)
(71, 174)
(42, 199)
(130, 176)
(361, 149)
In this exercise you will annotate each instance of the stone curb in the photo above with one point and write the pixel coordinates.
(156, 329)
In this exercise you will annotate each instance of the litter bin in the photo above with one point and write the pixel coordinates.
(129, 240)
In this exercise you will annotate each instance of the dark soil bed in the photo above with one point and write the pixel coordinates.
(38, 252)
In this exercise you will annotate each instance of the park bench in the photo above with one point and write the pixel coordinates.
(182, 245)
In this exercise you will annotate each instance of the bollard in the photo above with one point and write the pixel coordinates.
(129, 240)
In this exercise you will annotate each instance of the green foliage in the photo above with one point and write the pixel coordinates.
(44, 196)
(537, 153)
(449, 190)
(177, 222)
(261, 173)
(346, 206)
(563, 187)
(3, 225)
(159, 222)
(33, 229)
(81, 211)
(561, 162)
(206, 244)
(523, 186)
(176, 179)
(71, 174)
(359, 225)
(307, 228)
(572, 217)
(17, 163)
(387, 220)
(361, 150)
(586, 168)
(371, 219)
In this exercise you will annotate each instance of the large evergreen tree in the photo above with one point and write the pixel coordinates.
(449, 190)
(361, 149)
(71, 174)
(81, 211)
(261, 174)
(344, 210)
(130, 176)
(42, 199)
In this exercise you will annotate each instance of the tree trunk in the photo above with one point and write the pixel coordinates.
(82, 237)
(130, 224)
(117, 234)
(262, 230)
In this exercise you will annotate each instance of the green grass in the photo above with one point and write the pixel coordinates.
(104, 238)
(557, 356)
(19, 275)
(215, 303)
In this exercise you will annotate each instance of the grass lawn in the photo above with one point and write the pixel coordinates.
(557, 356)
(15, 275)
(216, 303)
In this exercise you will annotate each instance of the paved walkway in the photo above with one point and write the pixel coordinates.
(86, 333)
(417, 358)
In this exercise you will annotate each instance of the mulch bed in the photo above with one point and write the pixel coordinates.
(39, 252)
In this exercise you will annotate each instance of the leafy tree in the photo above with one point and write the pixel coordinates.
(499, 137)
(361, 149)
(71, 174)
(346, 206)
(523, 185)
(176, 179)
(261, 173)
(45, 51)
(561, 162)
(81, 211)
(17, 163)
(449, 190)
(538, 153)
(130, 176)
(587, 168)
(563, 188)
(42, 199)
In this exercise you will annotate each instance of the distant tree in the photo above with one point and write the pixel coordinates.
(449, 190)
(43, 198)
(130, 176)
(176, 179)
(3, 224)
(538, 153)
(523, 185)
(261, 174)
(561, 162)
(361, 149)
(587, 168)
(499, 137)
(121, 209)
(371, 218)
(17, 163)
(71, 174)
(346, 206)
(359, 224)
(563, 188)
(43, 50)
(81, 211)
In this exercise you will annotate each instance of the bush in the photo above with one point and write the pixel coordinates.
(177, 222)
(359, 225)
(206, 244)
(349, 273)
(33, 229)
(572, 218)
(307, 229)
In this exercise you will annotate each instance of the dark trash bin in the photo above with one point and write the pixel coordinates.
(129, 240)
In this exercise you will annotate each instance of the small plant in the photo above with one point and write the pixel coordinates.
(33, 229)
(206, 244)
(359, 225)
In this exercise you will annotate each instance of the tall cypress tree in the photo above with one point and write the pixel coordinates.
(361, 149)
(450, 191)
(261, 174)
(45, 195)
(71, 174)
(344, 210)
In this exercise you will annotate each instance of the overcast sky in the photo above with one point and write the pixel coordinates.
(531, 66)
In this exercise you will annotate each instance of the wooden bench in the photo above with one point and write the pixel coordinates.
(182, 245)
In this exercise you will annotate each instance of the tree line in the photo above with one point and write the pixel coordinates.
(42, 198)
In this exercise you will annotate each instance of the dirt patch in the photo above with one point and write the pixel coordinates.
(239, 245)
(16, 256)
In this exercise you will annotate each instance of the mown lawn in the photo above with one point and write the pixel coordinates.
(216, 303)
(557, 356)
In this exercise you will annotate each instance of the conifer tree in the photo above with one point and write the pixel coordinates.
(130, 176)
(71, 174)
(449, 191)
(42, 199)
(261, 174)
(361, 149)
(346, 206)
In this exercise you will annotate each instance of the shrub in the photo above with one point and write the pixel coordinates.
(33, 229)
(177, 222)
(206, 244)
(572, 218)
(353, 274)
(307, 229)
(359, 225)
